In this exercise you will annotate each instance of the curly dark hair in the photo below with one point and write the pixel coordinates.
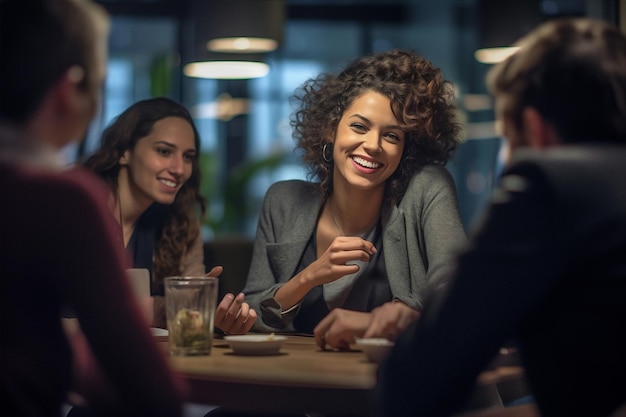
(182, 225)
(420, 99)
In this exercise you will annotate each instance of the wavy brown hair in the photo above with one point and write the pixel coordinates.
(421, 100)
(182, 224)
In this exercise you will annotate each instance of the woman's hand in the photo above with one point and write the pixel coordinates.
(332, 264)
(329, 267)
(233, 315)
(390, 319)
(340, 328)
(215, 272)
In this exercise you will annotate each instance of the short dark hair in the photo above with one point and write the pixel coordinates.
(573, 72)
(39, 41)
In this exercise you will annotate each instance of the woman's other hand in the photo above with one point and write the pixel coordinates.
(340, 328)
(391, 319)
(234, 315)
(215, 272)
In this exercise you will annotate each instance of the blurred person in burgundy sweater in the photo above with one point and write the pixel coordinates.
(60, 246)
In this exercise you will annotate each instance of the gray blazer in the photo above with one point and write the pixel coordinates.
(420, 236)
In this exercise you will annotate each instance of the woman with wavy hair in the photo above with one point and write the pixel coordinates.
(149, 157)
(355, 251)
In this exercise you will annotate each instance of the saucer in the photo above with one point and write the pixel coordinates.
(376, 349)
(255, 344)
(158, 332)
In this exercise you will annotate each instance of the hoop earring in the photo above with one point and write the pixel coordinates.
(327, 152)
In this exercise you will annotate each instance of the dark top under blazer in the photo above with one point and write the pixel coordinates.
(420, 238)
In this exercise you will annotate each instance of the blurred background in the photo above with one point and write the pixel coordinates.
(244, 122)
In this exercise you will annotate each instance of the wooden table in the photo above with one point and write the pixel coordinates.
(302, 378)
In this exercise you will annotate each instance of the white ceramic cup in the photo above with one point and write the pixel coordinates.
(140, 282)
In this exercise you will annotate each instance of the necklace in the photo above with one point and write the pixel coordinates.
(333, 217)
(335, 222)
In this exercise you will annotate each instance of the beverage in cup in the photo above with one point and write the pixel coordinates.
(190, 304)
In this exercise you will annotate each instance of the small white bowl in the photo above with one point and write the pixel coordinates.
(376, 349)
(159, 332)
(255, 344)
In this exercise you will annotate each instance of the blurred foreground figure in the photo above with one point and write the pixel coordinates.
(60, 247)
(547, 264)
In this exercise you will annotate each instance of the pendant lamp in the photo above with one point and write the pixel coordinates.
(230, 37)
(501, 24)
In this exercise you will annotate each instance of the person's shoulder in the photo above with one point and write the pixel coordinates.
(572, 171)
(291, 189)
(57, 197)
(431, 175)
(285, 198)
(428, 183)
(73, 180)
(433, 171)
(570, 154)
(84, 183)
(569, 160)
(78, 186)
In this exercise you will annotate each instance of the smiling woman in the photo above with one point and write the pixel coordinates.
(356, 253)
(149, 158)
(158, 166)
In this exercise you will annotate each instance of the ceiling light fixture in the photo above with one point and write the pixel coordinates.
(494, 55)
(226, 70)
(502, 24)
(229, 37)
(242, 44)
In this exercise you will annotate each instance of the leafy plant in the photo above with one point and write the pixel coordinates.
(236, 207)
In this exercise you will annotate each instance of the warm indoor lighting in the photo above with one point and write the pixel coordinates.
(230, 38)
(242, 44)
(226, 70)
(494, 55)
(223, 108)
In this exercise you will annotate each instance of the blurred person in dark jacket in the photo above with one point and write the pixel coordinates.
(547, 263)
